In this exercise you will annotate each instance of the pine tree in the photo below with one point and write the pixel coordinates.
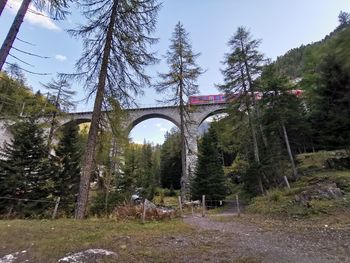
(209, 179)
(68, 155)
(25, 171)
(178, 84)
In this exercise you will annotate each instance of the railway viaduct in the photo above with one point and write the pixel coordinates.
(197, 115)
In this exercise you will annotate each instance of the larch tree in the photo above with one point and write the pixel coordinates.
(116, 38)
(178, 84)
(2, 6)
(243, 65)
(56, 8)
(281, 108)
(61, 98)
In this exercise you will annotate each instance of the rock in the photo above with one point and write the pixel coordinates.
(90, 255)
(319, 192)
(149, 204)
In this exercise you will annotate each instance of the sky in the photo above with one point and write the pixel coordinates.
(280, 24)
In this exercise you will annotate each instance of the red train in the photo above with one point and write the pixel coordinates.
(221, 98)
(207, 99)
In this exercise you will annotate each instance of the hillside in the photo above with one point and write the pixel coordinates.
(322, 189)
(300, 61)
(17, 99)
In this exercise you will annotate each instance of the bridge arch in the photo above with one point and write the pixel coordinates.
(145, 117)
(215, 112)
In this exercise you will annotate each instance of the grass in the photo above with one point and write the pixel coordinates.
(282, 202)
(310, 162)
(315, 174)
(47, 241)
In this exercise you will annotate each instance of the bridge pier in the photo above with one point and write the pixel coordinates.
(197, 115)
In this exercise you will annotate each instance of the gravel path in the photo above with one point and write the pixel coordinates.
(276, 245)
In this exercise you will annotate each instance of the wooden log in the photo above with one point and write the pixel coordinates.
(203, 205)
(180, 206)
(144, 212)
(238, 209)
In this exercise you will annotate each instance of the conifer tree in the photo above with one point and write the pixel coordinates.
(170, 164)
(56, 8)
(242, 66)
(66, 180)
(115, 38)
(25, 171)
(178, 84)
(209, 179)
(330, 108)
(61, 100)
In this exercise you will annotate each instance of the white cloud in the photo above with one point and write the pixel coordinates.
(33, 16)
(60, 57)
(158, 125)
(163, 129)
(144, 126)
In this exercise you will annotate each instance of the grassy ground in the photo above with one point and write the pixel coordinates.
(47, 241)
(283, 202)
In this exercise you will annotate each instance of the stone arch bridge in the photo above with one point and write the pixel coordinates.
(198, 113)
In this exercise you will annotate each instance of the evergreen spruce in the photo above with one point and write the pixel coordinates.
(209, 179)
(25, 172)
(67, 177)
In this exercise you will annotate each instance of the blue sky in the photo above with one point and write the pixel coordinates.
(281, 25)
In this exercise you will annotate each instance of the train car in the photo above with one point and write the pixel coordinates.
(207, 99)
(221, 98)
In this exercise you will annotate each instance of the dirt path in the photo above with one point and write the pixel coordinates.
(252, 243)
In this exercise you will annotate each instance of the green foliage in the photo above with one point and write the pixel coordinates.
(170, 161)
(209, 179)
(140, 170)
(16, 99)
(68, 158)
(26, 172)
(113, 186)
(284, 202)
(330, 108)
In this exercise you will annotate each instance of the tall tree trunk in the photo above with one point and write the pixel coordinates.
(11, 35)
(253, 130)
(184, 176)
(2, 5)
(89, 154)
(295, 172)
(252, 90)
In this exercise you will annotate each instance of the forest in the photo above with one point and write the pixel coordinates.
(253, 149)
